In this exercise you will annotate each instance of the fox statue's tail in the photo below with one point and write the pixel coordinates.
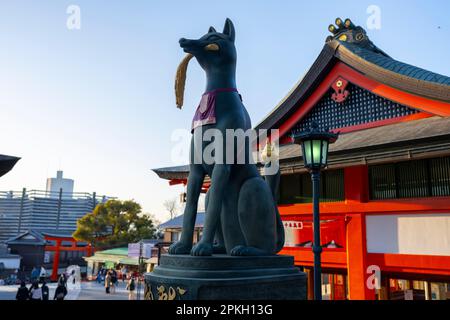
(274, 183)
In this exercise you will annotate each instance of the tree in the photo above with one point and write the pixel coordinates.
(171, 205)
(115, 223)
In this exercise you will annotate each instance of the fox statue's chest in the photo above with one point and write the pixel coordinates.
(206, 112)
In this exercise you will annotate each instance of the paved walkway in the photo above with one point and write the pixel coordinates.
(87, 291)
(95, 291)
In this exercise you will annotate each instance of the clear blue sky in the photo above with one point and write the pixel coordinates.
(99, 104)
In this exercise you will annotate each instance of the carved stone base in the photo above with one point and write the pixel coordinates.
(222, 277)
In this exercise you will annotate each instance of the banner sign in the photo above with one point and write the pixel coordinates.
(133, 250)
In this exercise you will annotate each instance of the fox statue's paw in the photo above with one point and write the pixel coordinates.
(180, 248)
(248, 251)
(202, 249)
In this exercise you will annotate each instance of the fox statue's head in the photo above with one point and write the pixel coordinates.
(216, 54)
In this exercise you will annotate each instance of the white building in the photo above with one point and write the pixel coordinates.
(49, 210)
(8, 261)
(55, 185)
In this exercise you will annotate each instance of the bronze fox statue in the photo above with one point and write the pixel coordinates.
(242, 217)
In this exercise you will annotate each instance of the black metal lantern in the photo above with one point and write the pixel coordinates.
(315, 146)
(315, 157)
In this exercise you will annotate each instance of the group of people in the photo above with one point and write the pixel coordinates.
(42, 292)
(111, 281)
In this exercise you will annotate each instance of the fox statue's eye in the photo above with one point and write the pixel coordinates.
(212, 47)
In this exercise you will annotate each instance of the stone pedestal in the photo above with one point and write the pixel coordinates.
(222, 277)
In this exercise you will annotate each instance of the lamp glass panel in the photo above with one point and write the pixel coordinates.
(316, 150)
(324, 152)
(307, 152)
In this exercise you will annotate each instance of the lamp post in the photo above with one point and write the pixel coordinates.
(140, 261)
(315, 144)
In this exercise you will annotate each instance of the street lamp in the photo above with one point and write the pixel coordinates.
(140, 268)
(315, 157)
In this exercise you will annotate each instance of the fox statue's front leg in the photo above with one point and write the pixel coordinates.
(194, 187)
(219, 181)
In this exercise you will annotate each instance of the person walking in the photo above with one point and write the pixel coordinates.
(45, 291)
(99, 276)
(131, 287)
(63, 279)
(61, 291)
(124, 273)
(34, 274)
(113, 281)
(35, 291)
(107, 283)
(22, 293)
(42, 274)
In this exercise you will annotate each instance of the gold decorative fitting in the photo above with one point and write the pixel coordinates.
(339, 83)
(348, 23)
(212, 47)
(343, 37)
(338, 22)
(269, 153)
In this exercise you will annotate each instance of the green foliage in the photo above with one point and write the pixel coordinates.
(114, 223)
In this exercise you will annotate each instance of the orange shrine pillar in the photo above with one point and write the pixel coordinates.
(54, 275)
(89, 250)
(356, 181)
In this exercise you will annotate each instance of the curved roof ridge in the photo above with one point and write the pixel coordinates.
(397, 66)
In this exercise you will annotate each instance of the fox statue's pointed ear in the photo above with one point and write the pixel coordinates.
(211, 29)
(228, 29)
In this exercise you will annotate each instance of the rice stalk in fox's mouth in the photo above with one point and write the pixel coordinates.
(180, 80)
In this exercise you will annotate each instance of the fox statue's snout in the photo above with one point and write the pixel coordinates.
(190, 46)
(214, 48)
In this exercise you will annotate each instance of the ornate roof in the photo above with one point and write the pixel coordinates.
(349, 44)
(169, 173)
(355, 39)
(177, 222)
(30, 237)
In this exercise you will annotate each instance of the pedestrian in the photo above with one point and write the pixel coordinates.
(107, 283)
(35, 291)
(124, 273)
(113, 281)
(45, 291)
(60, 292)
(34, 274)
(63, 279)
(131, 287)
(22, 292)
(99, 276)
(42, 274)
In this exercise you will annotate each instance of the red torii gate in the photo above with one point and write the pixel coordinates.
(58, 247)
